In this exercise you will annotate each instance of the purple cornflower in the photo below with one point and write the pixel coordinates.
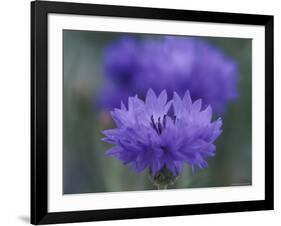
(176, 64)
(158, 135)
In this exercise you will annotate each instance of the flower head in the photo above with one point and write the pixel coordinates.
(176, 64)
(158, 134)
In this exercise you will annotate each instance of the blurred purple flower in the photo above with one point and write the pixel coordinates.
(176, 64)
(148, 136)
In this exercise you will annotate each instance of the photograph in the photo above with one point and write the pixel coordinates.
(148, 112)
(141, 112)
(128, 113)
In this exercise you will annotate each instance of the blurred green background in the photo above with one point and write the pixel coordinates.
(87, 169)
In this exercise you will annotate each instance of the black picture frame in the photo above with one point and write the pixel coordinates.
(39, 112)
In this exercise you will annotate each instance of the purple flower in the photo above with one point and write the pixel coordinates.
(173, 63)
(157, 134)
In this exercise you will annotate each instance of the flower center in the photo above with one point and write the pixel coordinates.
(158, 125)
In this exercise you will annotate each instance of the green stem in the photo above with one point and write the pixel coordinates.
(162, 187)
(163, 179)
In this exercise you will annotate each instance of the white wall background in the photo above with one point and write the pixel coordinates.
(15, 113)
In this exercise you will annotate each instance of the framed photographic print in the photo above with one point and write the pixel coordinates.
(145, 112)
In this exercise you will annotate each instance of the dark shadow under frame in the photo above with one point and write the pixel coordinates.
(39, 112)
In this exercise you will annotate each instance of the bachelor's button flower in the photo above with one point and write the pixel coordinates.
(119, 63)
(176, 64)
(148, 135)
